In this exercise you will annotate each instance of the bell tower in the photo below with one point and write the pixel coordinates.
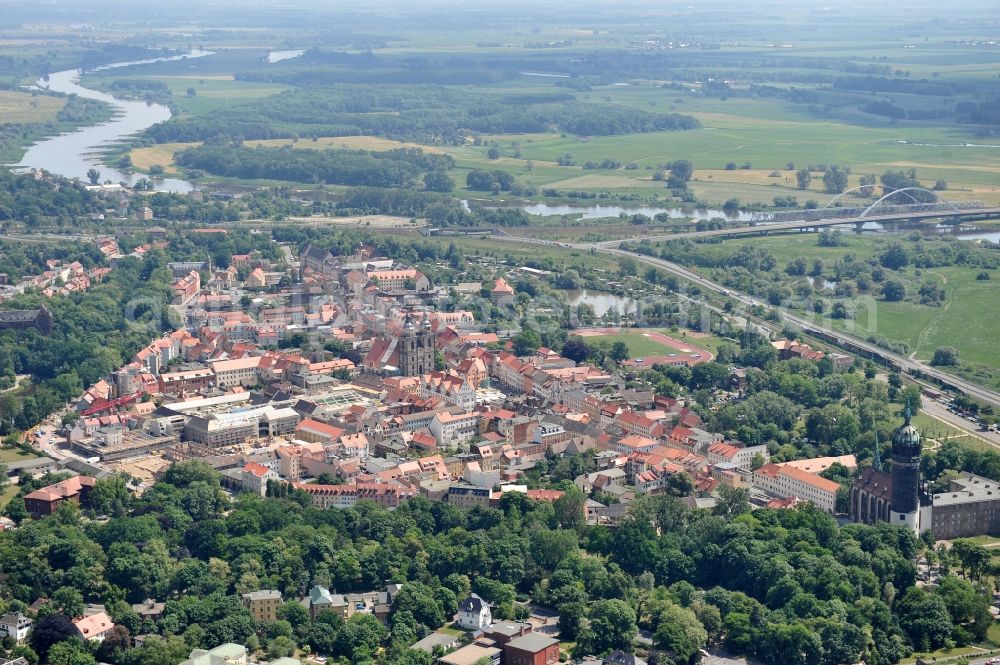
(417, 347)
(905, 506)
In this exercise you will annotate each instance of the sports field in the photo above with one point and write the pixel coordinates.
(648, 342)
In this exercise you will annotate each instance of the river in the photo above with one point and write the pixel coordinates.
(74, 153)
(600, 211)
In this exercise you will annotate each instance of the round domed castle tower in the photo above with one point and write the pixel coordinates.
(905, 506)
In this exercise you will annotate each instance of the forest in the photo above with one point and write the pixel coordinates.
(34, 202)
(401, 167)
(425, 113)
(786, 586)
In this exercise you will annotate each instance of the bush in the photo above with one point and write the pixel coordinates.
(945, 356)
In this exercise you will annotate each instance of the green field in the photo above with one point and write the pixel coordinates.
(6, 494)
(932, 428)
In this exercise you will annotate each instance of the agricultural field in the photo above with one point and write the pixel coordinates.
(24, 107)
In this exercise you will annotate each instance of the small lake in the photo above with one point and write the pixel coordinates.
(73, 154)
(598, 211)
(278, 56)
(601, 301)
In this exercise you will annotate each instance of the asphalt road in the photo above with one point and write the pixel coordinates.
(937, 410)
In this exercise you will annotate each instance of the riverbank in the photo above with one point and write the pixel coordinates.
(73, 154)
(17, 138)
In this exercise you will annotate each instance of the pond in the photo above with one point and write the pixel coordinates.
(601, 301)
(278, 56)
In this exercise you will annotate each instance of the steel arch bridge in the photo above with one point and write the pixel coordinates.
(883, 206)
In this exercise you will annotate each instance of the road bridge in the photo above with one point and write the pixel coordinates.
(911, 215)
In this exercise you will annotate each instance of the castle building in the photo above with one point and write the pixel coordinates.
(417, 348)
(20, 319)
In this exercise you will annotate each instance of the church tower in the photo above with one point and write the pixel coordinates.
(417, 348)
(905, 506)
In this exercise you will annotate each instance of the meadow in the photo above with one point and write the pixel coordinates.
(24, 107)
(766, 134)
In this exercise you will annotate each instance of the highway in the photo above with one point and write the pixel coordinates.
(811, 224)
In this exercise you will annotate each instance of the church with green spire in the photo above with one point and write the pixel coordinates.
(969, 507)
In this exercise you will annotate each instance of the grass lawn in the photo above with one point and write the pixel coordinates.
(8, 455)
(988, 541)
(933, 428)
(7, 494)
(24, 107)
(452, 630)
(943, 655)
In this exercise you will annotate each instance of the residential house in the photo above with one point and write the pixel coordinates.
(95, 627)
(15, 626)
(263, 604)
(502, 293)
(474, 613)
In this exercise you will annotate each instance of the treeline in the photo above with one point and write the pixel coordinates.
(436, 114)
(393, 168)
(901, 85)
